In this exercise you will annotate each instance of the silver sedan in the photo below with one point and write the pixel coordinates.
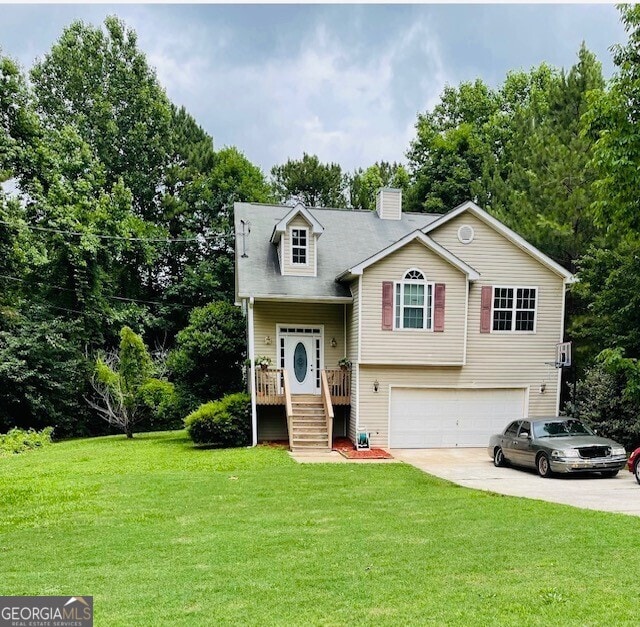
(556, 445)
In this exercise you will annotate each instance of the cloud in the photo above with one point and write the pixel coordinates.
(347, 106)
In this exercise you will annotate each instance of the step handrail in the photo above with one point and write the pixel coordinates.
(328, 406)
(288, 405)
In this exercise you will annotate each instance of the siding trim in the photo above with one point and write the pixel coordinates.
(254, 409)
(299, 299)
(369, 362)
(466, 324)
(561, 339)
(359, 318)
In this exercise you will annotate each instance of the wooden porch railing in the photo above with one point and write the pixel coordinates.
(270, 386)
(288, 405)
(339, 383)
(328, 405)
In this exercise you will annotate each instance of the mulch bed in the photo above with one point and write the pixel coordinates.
(345, 447)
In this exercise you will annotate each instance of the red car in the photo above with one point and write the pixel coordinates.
(634, 464)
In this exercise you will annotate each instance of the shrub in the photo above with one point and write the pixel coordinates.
(18, 440)
(223, 423)
(207, 361)
(160, 400)
(603, 405)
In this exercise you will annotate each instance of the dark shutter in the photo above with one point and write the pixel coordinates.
(438, 307)
(387, 305)
(485, 308)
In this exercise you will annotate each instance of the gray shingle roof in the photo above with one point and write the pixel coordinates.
(349, 237)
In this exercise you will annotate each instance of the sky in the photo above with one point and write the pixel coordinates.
(344, 82)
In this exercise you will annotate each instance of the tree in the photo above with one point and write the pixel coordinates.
(610, 396)
(99, 82)
(448, 154)
(124, 385)
(209, 354)
(609, 292)
(613, 121)
(42, 373)
(543, 189)
(363, 184)
(310, 182)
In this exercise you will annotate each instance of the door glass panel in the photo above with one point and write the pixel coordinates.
(300, 362)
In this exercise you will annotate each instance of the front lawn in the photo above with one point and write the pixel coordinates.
(161, 533)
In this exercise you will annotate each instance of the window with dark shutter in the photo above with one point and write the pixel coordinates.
(438, 307)
(486, 296)
(387, 305)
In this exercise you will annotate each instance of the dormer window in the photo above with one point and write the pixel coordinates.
(299, 246)
(413, 302)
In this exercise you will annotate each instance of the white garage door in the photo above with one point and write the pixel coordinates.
(445, 418)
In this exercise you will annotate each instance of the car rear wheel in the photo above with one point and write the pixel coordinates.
(543, 466)
(498, 458)
(609, 474)
(636, 470)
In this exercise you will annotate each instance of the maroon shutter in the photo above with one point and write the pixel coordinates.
(387, 305)
(438, 307)
(485, 309)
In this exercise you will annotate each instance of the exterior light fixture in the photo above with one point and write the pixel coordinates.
(267, 340)
(376, 385)
(543, 388)
(334, 342)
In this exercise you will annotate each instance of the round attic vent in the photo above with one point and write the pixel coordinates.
(465, 234)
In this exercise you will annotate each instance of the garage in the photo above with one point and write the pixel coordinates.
(450, 417)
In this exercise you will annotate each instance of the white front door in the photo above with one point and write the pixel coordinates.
(300, 360)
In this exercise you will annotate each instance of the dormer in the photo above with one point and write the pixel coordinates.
(296, 237)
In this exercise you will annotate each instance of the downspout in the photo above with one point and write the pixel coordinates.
(252, 370)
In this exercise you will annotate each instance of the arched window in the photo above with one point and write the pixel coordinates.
(414, 301)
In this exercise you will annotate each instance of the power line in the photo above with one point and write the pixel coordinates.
(120, 298)
(174, 240)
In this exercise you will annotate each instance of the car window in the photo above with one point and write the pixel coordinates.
(559, 428)
(525, 429)
(512, 429)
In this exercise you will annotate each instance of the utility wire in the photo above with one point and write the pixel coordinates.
(121, 298)
(175, 240)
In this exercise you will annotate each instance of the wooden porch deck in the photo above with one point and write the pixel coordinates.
(270, 386)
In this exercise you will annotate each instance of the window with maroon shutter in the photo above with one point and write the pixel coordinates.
(486, 296)
(387, 305)
(438, 307)
(413, 302)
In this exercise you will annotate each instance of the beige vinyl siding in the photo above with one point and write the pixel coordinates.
(389, 204)
(412, 345)
(374, 406)
(500, 360)
(500, 262)
(298, 270)
(267, 315)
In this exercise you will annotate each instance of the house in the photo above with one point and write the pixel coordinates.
(450, 323)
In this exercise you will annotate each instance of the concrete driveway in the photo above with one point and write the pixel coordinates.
(473, 468)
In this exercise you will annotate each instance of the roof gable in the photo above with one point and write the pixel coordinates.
(299, 210)
(418, 236)
(506, 232)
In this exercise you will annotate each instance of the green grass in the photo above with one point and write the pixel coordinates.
(160, 533)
